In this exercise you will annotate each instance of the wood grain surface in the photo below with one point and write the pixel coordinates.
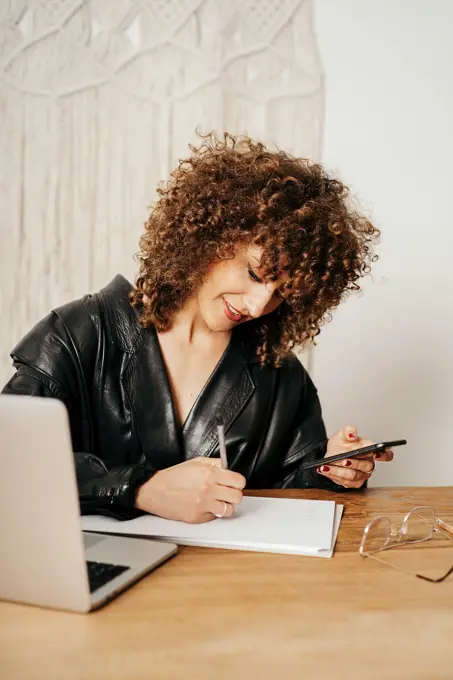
(211, 613)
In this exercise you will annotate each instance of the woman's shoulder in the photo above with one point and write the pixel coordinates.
(77, 326)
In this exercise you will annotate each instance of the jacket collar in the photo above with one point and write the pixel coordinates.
(145, 378)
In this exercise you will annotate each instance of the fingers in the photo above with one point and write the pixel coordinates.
(200, 519)
(222, 490)
(345, 476)
(228, 494)
(221, 509)
(381, 456)
(349, 434)
(224, 477)
(213, 462)
(361, 445)
(384, 456)
(226, 497)
(358, 463)
(231, 479)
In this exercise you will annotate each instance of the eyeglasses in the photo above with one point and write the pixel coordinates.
(420, 524)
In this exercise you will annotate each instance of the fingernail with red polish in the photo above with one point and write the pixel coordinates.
(318, 469)
(325, 468)
(348, 463)
(378, 455)
(351, 435)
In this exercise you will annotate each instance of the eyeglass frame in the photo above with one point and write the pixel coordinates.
(435, 528)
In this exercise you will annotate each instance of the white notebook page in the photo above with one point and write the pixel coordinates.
(295, 526)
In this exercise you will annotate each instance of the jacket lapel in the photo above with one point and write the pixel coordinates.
(227, 392)
(150, 395)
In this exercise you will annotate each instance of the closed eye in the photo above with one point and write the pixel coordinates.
(257, 279)
(252, 275)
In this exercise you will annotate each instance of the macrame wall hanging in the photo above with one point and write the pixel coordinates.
(98, 100)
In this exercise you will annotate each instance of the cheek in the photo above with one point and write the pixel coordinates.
(224, 279)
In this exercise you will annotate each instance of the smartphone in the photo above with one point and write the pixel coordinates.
(355, 452)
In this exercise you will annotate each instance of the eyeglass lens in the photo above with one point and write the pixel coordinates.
(377, 535)
(417, 526)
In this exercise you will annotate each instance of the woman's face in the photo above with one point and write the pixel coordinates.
(234, 293)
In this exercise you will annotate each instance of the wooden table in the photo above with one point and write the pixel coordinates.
(224, 614)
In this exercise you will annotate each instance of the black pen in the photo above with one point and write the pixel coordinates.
(222, 446)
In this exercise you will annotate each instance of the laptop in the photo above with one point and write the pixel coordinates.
(46, 559)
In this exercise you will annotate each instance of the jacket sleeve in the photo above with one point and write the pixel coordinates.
(308, 442)
(45, 368)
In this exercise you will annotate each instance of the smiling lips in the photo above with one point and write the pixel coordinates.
(231, 313)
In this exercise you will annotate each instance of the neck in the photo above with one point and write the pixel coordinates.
(191, 329)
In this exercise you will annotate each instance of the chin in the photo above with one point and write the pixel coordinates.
(216, 324)
(221, 327)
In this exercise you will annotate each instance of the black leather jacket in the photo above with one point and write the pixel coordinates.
(94, 356)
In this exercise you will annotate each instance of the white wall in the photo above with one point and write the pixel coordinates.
(385, 362)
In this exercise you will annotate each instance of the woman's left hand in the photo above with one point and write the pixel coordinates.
(351, 473)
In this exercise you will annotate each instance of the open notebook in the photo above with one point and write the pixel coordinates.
(277, 525)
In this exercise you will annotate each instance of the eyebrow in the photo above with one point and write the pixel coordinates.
(257, 264)
(253, 261)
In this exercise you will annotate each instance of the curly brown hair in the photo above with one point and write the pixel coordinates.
(235, 191)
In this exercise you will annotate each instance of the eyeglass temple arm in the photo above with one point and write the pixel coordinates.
(435, 580)
(443, 525)
(449, 529)
(412, 573)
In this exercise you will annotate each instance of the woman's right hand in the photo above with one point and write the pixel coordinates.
(194, 491)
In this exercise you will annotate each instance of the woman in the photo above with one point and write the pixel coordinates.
(244, 255)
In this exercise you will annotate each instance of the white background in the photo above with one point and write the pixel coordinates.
(385, 362)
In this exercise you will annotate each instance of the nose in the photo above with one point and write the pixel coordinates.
(257, 302)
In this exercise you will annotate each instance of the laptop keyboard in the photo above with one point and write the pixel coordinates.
(100, 573)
